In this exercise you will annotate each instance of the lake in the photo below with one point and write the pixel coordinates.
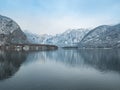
(62, 69)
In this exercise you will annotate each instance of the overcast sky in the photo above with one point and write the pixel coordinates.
(56, 16)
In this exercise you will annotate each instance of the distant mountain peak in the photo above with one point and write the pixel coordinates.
(68, 38)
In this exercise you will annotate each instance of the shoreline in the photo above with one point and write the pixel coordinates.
(28, 47)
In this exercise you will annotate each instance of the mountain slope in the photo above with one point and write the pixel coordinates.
(102, 37)
(35, 38)
(68, 38)
(10, 32)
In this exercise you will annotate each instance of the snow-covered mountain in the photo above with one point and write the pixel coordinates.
(10, 32)
(68, 38)
(35, 38)
(104, 36)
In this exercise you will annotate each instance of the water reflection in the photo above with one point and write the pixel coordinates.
(101, 59)
(104, 60)
(69, 69)
(10, 63)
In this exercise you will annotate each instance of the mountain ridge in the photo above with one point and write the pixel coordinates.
(70, 37)
(105, 36)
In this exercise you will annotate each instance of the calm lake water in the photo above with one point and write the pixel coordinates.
(63, 69)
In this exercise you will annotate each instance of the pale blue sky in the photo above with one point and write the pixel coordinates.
(55, 16)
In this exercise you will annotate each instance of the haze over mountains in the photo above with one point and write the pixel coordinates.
(104, 36)
(70, 37)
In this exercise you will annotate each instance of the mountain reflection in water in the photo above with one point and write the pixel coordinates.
(10, 63)
(89, 69)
